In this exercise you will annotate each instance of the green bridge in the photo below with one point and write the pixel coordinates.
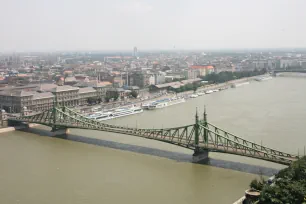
(202, 136)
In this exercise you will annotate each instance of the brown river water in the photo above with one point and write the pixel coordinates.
(112, 168)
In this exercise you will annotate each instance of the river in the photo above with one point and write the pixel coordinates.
(38, 169)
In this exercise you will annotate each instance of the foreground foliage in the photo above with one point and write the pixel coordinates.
(289, 186)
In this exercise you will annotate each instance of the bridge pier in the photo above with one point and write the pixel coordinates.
(59, 132)
(200, 156)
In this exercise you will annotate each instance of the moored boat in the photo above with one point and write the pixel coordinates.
(209, 92)
(117, 113)
(263, 78)
(165, 102)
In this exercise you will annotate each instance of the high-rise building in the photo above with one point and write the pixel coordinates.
(135, 54)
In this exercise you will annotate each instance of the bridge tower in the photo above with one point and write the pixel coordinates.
(57, 130)
(205, 124)
(200, 155)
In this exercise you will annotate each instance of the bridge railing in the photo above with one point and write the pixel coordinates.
(201, 134)
(249, 143)
(220, 143)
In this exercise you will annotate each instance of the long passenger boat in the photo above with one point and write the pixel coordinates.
(117, 113)
(163, 103)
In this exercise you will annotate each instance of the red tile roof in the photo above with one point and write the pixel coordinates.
(201, 67)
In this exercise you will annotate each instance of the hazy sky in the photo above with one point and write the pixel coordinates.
(39, 25)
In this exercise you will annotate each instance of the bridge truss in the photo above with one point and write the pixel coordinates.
(199, 136)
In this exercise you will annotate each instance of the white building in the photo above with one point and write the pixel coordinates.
(285, 63)
(160, 78)
(157, 78)
(152, 79)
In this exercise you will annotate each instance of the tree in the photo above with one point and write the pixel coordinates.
(66, 75)
(112, 94)
(116, 95)
(107, 99)
(91, 100)
(194, 87)
(257, 185)
(134, 94)
(165, 68)
(228, 76)
(289, 185)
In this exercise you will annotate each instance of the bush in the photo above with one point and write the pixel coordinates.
(289, 187)
(257, 185)
(134, 94)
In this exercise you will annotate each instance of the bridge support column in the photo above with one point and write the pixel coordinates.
(59, 132)
(200, 156)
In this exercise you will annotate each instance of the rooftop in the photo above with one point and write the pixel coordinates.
(42, 95)
(19, 93)
(168, 84)
(22, 93)
(201, 67)
(64, 88)
(70, 79)
(188, 81)
(93, 83)
(86, 90)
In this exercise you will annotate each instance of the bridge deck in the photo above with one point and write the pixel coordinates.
(199, 135)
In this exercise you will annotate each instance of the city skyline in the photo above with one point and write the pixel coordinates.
(151, 25)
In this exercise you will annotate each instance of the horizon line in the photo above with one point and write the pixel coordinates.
(159, 50)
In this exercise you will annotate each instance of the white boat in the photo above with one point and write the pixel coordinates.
(145, 106)
(209, 92)
(201, 93)
(165, 102)
(194, 95)
(117, 113)
(240, 84)
(215, 90)
(263, 78)
(95, 115)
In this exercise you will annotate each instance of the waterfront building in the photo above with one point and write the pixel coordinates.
(85, 94)
(66, 95)
(195, 71)
(13, 101)
(100, 87)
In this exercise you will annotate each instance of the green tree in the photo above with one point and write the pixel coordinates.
(228, 76)
(66, 75)
(188, 87)
(91, 100)
(107, 98)
(115, 95)
(257, 185)
(194, 87)
(134, 94)
(289, 185)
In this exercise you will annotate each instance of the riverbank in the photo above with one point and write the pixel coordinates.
(240, 200)
(184, 94)
(287, 186)
(291, 74)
